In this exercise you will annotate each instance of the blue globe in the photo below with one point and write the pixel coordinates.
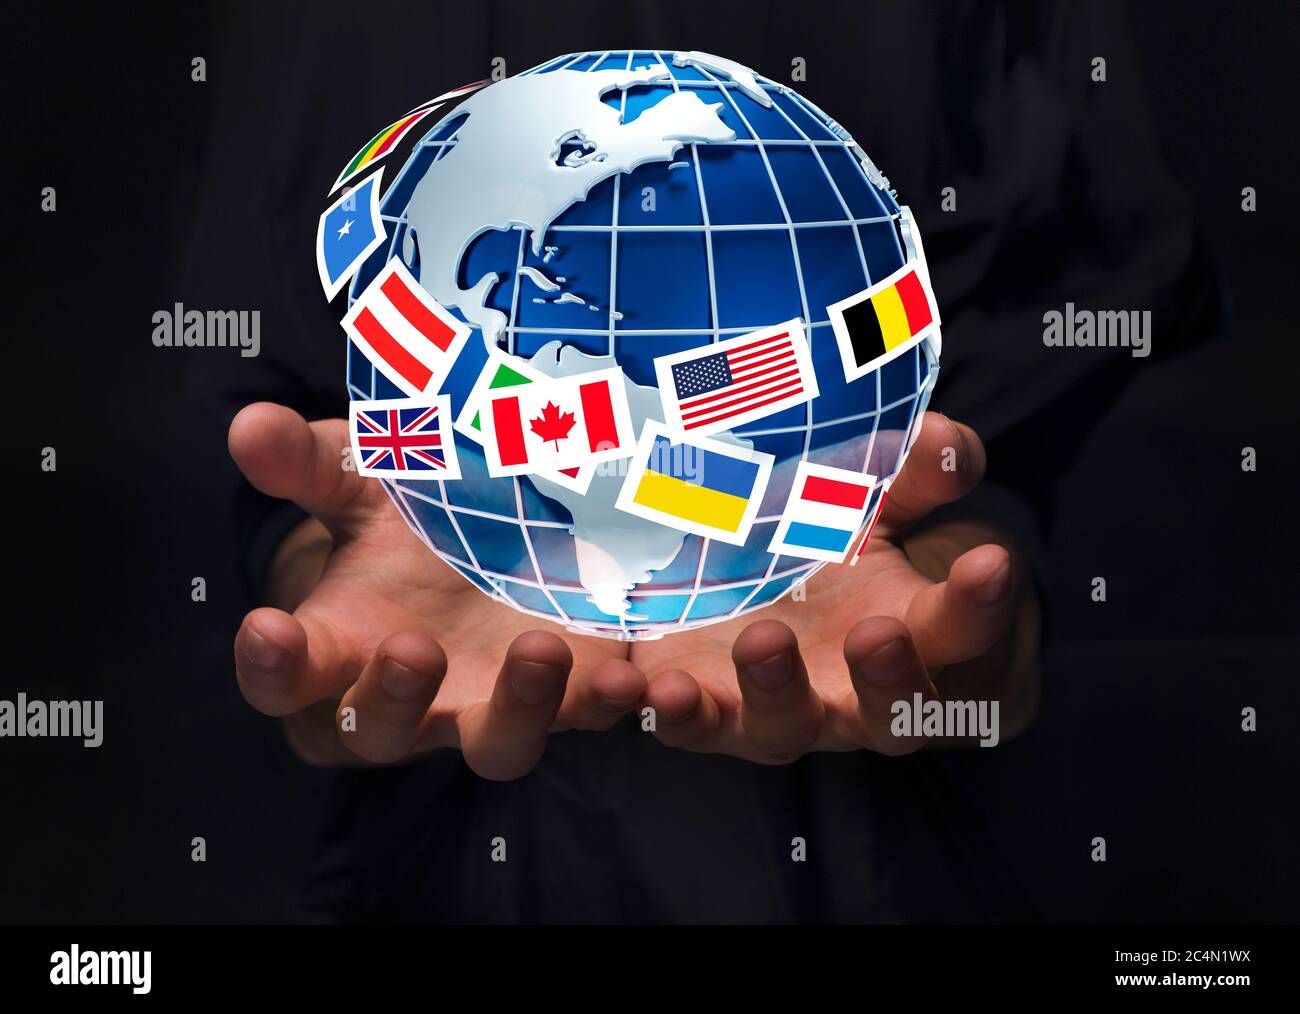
(720, 202)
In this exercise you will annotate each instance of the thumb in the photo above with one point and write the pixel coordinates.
(284, 456)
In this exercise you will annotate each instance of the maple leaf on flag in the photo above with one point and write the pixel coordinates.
(552, 425)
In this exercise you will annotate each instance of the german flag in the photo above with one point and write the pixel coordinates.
(879, 323)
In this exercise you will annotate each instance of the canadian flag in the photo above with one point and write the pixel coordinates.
(557, 423)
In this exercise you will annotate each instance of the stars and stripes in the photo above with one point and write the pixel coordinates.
(404, 438)
(727, 384)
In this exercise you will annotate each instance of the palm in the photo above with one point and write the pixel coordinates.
(884, 583)
(387, 650)
(822, 672)
(380, 579)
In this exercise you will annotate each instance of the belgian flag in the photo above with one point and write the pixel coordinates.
(883, 321)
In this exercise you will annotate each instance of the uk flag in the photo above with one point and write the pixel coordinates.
(404, 438)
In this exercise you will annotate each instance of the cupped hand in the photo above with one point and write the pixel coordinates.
(823, 673)
(379, 651)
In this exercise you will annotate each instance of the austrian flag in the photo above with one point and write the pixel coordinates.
(406, 334)
(557, 423)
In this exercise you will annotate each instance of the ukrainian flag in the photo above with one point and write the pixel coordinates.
(697, 485)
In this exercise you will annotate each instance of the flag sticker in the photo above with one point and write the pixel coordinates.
(403, 438)
(349, 231)
(501, 371)
(882, 322)
(729, 383)
(556, 422)
(695, 484)
(825, 511)
(404, 332)
(383, 143)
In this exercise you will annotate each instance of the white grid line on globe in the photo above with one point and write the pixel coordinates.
(738, 142)
(807, 315)
(663, 591)
(707, 225)
(519, 489)
(666, 332)
(613, 224)
(839, 196)
(613, 260)
(866, 270)
(726, 227)
(469, 550)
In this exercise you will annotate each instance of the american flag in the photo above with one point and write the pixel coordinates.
(403, 438)
(722, 386)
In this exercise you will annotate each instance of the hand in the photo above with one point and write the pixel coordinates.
(381, 626)
(822, 674)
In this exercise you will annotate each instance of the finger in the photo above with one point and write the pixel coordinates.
(885, 668)
(599, 697)
(944, 464)
(284, 663)
(504, 736)
(284, 456)
(965, 615)
(685, 715)
(780, 712)
(390, 699)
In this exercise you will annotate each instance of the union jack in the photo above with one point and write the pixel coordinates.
(404, 438)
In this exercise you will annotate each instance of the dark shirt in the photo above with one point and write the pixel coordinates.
(1060, 197)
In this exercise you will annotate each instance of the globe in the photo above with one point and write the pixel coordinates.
(608, 208)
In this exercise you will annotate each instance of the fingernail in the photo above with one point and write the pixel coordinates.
(771, 673)
(402, 682)
(995, 588)
(885, 666)
(535, 682)
(263, 653)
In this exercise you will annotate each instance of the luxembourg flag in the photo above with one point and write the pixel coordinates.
(825, 511)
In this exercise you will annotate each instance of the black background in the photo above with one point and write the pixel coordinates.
(1139, 735)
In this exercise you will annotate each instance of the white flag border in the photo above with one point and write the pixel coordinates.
(803, 361)
(637, 469)
(579, 483)
(441, 363)
(622, 423)
(778, 547)
(843, 339)
(344, 175)
(443, 401)
(377, 223)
